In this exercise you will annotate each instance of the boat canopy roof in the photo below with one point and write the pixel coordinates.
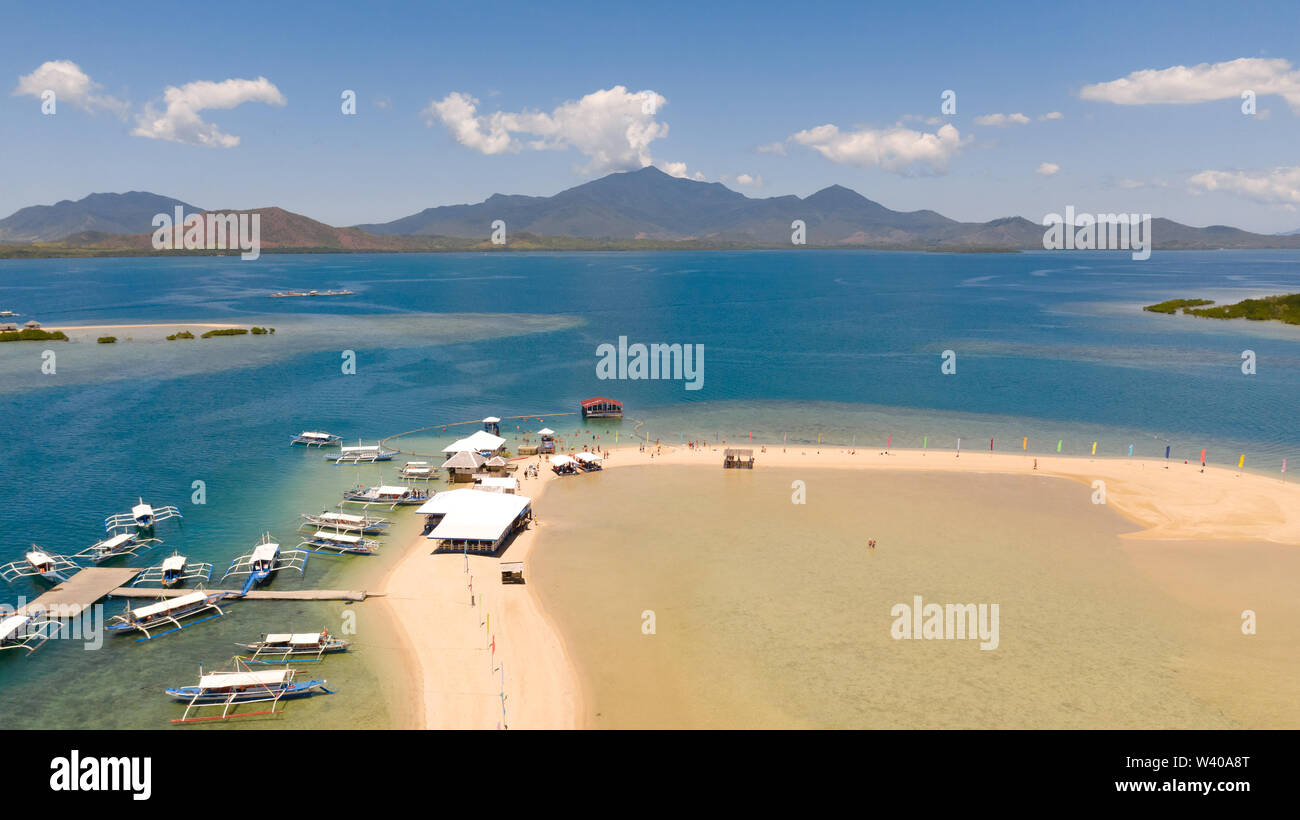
(386, 489)
(141, 510)
(560, 461)
(328, 535)
(264, 677)
(39, 557)
(365, 448)
(188, 599)
(315, 434)
(174, 563)
(116, 541)
(351, 519)
(589, 457)
(9, 626)
(266, 552)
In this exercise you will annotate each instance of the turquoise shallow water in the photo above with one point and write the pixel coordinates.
(842, 344)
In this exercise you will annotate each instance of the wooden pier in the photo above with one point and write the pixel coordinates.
(69, 598)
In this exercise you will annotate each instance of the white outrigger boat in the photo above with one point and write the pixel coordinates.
(26, 631)
(316, 438)
(418, 471)
(241, 684)
(39, 563)
(168, 611)
(142, 516)
(124, 543)
(361, 454)
(347, 523)
(264, 561)
(341, 542)
(278, 647)
(174, 571)
(393, 496)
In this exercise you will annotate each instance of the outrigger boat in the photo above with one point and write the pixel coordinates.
(174, 571)
(168, 611)
(418, 471)
(314, 438)
(280, 646)
(333, 541)
(393, 496)
(264, 561)
(26, 631)
(241, 684)
(286, 293)
(38, 562)
(142, 516)
(124, 543)
(348, 523)
(361, 454)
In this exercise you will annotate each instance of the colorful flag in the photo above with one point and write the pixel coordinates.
(990, 445)
(889, 439)
(1130, 451)
(1202, 456)
(1284, 465)
(1024, 445)
(1241, 462)
(1094, 448)
(1058, 444)
(1166, 451)
(925, 442)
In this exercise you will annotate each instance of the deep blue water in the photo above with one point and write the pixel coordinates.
(846, 344)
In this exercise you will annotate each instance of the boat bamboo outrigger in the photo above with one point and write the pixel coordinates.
(361, 454)
(280, 646)
(342, 542)
(168, 611)
(264, 561)
(174, 571)
(393, 496)
(124, 543)
(347, 523)
(39, 563)
(142, 516)
(316, 438)
(229, 689)
(418, 471)
(26, 631)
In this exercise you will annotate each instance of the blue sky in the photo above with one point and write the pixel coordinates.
(730, 78)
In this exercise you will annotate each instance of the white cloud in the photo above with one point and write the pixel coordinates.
(1273, 186)
(899, 150)
(678, 169)
(180, 122)
(71, 86)
(1002, 120)
(1047, 169)
(1052, 115)
(750, 179)
(1201, 83)
(612, 128)
(772, 148)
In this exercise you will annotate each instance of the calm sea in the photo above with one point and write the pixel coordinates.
(842, 345)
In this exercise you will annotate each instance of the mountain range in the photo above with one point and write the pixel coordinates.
(635, 209)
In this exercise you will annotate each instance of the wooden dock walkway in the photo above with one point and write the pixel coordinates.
(69, 598)
(253, 595)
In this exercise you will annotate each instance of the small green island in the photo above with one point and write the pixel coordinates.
(184, 334)
(1280, 308)
(107, 340)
